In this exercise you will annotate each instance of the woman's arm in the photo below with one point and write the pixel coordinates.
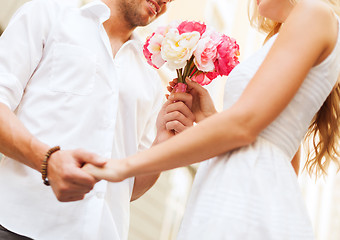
(296, 50)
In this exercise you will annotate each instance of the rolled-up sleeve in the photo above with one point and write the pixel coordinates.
(21, 49)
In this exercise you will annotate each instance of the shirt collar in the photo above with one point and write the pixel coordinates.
(134, 37)
(102, 12)
(98, 9)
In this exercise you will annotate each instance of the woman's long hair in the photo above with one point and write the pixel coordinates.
(261, 23)
(324, 131)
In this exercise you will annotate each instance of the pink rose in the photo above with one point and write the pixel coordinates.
(163, 30)
(203, 78)
(190, 26)
(206, 52)
(227, 55)
(152, 50)
(212, 75)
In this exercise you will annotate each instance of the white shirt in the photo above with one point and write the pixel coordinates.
(58, 75)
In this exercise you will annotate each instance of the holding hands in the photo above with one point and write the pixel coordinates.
(66, 176)
(74, 173)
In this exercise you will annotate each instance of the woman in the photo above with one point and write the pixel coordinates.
(249, 189)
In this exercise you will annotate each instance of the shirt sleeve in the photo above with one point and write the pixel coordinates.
(150, 130)
(21, 49)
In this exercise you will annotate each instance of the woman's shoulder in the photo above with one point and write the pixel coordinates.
(314, 18)
(314, 11)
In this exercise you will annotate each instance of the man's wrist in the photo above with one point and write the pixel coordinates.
(36, 153)
(44, 164)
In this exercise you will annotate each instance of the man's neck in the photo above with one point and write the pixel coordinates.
(116, 27)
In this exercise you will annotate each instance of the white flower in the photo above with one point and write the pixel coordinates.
(177, 49)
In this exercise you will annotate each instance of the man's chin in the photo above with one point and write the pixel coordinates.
(151, 19)
(146, 22)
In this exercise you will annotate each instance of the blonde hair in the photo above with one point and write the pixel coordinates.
(261, 23)
(324, 135)
(324, 130)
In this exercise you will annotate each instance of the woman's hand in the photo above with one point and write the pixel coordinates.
(113, 171)
(202, 104)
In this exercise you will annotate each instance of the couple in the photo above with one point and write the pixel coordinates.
(247, 190)
(288, 90)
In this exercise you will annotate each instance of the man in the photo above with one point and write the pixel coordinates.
(76, 78)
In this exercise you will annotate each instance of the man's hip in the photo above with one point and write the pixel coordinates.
(8, 235)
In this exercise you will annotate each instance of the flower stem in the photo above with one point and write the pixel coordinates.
(188, 68)
(195, 70)
(179, 75)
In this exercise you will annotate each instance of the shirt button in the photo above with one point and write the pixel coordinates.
(100, 195)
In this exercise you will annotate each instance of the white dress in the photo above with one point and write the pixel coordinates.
(252, 192)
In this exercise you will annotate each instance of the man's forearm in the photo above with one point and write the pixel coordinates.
(143, 183)
(17, 142)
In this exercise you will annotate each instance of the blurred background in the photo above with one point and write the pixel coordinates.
(158, 214)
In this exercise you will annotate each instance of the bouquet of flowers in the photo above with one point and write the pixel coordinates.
(193, 50)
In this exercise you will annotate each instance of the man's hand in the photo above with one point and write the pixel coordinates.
(201, 106)
(174, 117)
(68, 181)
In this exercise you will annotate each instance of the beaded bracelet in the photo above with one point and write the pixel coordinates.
(45, 164)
